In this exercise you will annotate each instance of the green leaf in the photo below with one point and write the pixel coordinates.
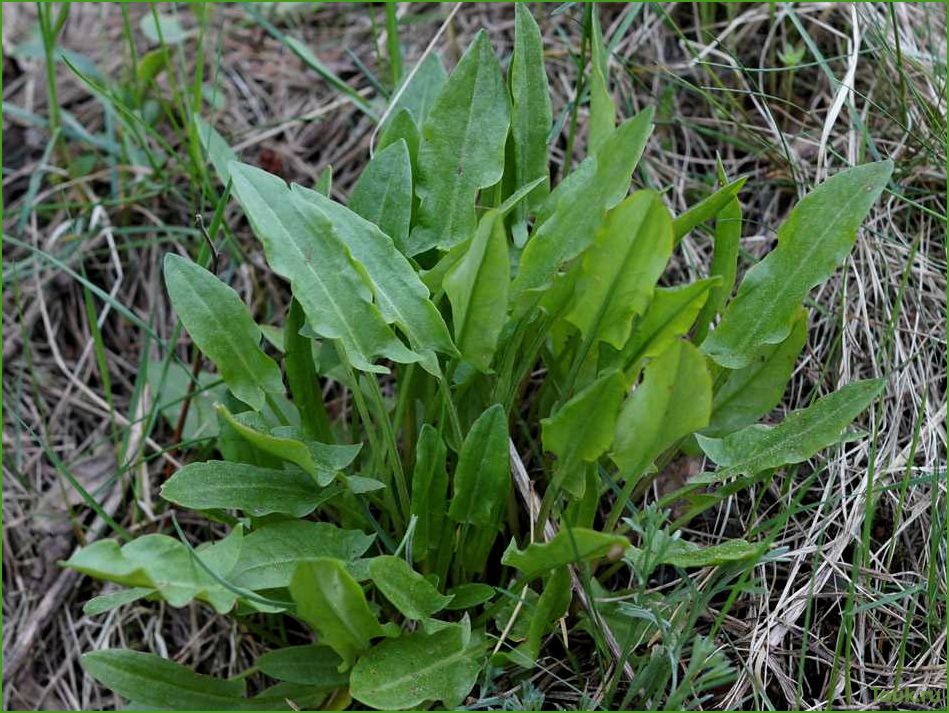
(160, 563)
(383, 193)
(303, 247)
(429, 492)
(163, 29)
(113, 600)
(333, 603)
(322, 461)
(751, 392)
(302, 377)
(401, 296)
(530, 111)
(569, 546)
(812, 243)
(217, 149)
(482, 477)
(470, 595)
(582, 430)
(724, 265)
(477, 287)
(257, 491)
(669, 316)
(680, 553)
(409, 591)
(171, 387)
(602, 110)
(404, 673)
(798, 437)
(401, 127)
(155, 682)
(422, 88)
(324, 182)
(270, 554)
(551, 606)
(673, 401)
(462, 149)
(574, 210)
(307, 665)
(620, 270)
(706, 209)
(221, 327)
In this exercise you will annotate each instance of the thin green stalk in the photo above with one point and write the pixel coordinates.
(392, 43)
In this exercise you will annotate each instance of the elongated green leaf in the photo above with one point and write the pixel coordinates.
(302, 246)
(551, 606)
(477, 287)
(409, 592)
(706, 209)
(602, 110)
(798, 437)
(724, 265)
(582, 430)
(668, 317)
(482, 478)
(218, 150)
(322, 461)
(812, 243)
(155, 682)
(257, 491)
(673, 401)
(422, 89)
(402, 127)
(429, 492)
(307, 665)
(221, 327)
(401, 296)
(113, 600)
(383, 193)
(270, 554)
(462, 148)
(574, 210)
(681, 553)
(302, 377)
(404, 673)
(332, 602)
(620, 270)
(160, 563)
(530, 111)
(171, 387)
(466, 596)
(569, 546)
(751, 392)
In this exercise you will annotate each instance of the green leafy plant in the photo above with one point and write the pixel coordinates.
(477, 320)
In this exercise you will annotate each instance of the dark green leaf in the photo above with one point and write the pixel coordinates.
(383, 193)
(482, 478)
(706, 209)
(429, 492)
(307, 665)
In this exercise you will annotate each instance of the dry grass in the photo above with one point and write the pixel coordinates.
(865, 543)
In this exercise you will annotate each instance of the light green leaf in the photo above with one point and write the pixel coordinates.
(324, 182)
(303, 247)
(218, 150)
(751, 392)
(333, 603)
(113, 600)
(409, 591)
(569, 546)
(673, 401)
(602, 110)
(582, 430)
(482, 477)
(477, 287)
(574, 210)
(322, 461)
(270, 554)
(404, 673)
(680, 553)
(429, 492)
(221, 327)
(257, 491)
(798, 437)
(171, 387)
(160, 563)
(530, 110)
(383, 193)
(307, 665)
(422, 89)
(401, 127)
(668, 317)
(401, 296)
(812, 243)
(462, 148)
(620, 270)
(706, 209)
(158, 683)
(159, 28)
